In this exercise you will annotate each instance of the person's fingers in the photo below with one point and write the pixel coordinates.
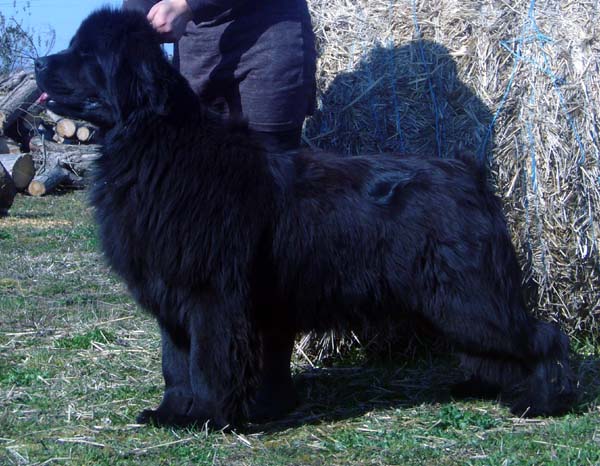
(159, 21)
(167, 21)
(152, 13)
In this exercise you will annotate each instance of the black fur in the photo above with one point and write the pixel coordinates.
(235, 251)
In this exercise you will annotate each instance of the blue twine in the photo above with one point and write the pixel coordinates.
(391, 64)
(531, 141)
(534, 181)
(532, 34)
(375, 110)
(511, 80)
(537, 36)
(434, 101)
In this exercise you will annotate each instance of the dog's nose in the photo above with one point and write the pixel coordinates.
(41, 64)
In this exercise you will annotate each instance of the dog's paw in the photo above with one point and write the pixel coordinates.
(475, 387)
(535, 406)
(527, 408)
(161, 418)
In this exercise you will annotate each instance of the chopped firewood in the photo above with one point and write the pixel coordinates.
(10, 81)
(20, 167)
(8, 146)
(8, 191)
(34, 117)
(65, 128)
(53, 116)
(85, 133)
(15, 104)
(77, 158)
(46, 182)
(58, 139)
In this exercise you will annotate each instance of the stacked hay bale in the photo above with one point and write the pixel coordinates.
(513, 83)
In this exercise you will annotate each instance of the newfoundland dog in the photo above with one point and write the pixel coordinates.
(235, 250)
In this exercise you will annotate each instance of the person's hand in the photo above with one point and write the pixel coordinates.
(169, 18)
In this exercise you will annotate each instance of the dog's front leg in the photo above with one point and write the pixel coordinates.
(224, 361)
(178, 397)
(211, 369)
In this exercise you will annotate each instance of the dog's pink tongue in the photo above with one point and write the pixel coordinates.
(43, 98)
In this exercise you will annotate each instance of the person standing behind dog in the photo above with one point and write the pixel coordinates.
(254, 59)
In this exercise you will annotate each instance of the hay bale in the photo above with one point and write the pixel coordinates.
(516, 83)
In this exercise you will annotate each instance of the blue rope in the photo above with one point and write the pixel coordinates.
(532, 34)
(534, 182)
(537, 36)
(434, 101)
(376, 117)
(391, 64)
(531, 141)
(518, 56)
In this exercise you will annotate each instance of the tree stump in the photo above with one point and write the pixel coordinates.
(8, 191)
(20, 167)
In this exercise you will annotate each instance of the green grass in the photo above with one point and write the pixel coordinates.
(79, 360)
(85, 340)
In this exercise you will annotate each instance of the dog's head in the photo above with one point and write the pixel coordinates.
(113, 66)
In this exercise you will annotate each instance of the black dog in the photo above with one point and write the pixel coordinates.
(235, 250)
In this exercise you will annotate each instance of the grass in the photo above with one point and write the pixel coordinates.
(79, 360)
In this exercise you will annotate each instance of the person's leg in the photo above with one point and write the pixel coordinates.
(280, 141)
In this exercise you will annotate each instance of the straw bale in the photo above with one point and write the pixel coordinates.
(515, 83)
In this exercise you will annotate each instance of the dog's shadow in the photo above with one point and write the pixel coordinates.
(407, 99)
(339, 393)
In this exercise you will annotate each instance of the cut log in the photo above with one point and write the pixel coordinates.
(9, 82)
(17, 101)
(20, 167)
(65, 128)
(49, 180)
(77, 158)
(58, 139)
(85, 133)
(8, 146)
(34, 117)
(53, 116)
(8, 191)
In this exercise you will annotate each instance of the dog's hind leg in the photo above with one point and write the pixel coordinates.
(276, 395)
(505, 349)
(539, 376)
(550, 387)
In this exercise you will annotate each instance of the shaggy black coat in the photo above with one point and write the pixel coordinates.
(235, 250)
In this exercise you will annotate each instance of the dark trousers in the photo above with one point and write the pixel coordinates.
(280, 141)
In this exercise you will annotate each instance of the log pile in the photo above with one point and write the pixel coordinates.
(40, 151)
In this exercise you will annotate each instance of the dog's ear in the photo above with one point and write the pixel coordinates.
(139, 77)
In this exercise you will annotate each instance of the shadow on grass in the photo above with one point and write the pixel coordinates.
(339, 393)
(587, 370)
